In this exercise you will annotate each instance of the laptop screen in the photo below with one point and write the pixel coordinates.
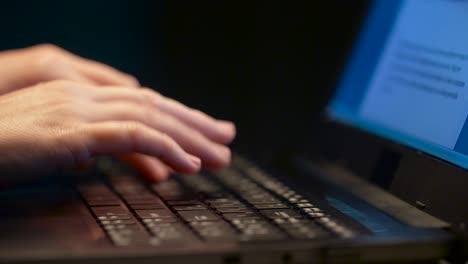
(406, 79)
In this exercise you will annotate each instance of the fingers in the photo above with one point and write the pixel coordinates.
(53, 63)
(218, 131)
(213, 155)
(149, 167)
(132, 117)
(119, 138)
(102, 74)
(71, 75)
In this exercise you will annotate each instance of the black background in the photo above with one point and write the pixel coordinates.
(267, 65)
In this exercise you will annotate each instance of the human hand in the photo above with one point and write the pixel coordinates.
(62, 124)
(45, 62)
(25, 67)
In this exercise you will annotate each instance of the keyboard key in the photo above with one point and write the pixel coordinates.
(247, 221)
(189, 207)
(177, 196)
(324, 220)
(227, 205)
(184, 202)
(214, 231)
(264, 201)
(114, 217)
(200, 215)
(252, 224)
(216, 195)
(127, 237)
(119, 227)
(152, 200)
(103, 202)
(280, 213)
(140, 195)
(158, 213)
(146, 206)
(117, 222)
(94, 189)
(154, 241)
(240, 209)
(248, 215)
(316, 215)
(259, 195)
(271, 206)
(174, 233)
(216, 201)
(160, 220)
(150, 222)
(172, 227)
(306, 233)
(96, 194)
(313, 209)
(295, 200)
(200, 184)
(129, 188)
(304, 205)
(108, 211)
(169, 186)
(261, 234)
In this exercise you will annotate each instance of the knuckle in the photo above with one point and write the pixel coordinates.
(147, 91)
(167, 143)
(139, 114)
(132, 80)
(150, 92)
(146, 115)
(46, 48)
(199, 113)
(132, 129)
(145, 99)
(76, 152)
(151, 96)
(146, 94)
(48, 58)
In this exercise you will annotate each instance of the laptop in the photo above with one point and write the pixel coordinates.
(363, 193)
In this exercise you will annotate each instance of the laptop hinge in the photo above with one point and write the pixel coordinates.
(339, 176)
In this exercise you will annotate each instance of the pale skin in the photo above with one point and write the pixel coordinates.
(58, 111)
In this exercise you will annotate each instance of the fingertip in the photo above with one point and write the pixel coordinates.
(159, 173)
(227, 158)
(133, 81)
(192, 165)
(195, 163)
(161, 176)
(150, 168)
(228, 130)
(220, 159)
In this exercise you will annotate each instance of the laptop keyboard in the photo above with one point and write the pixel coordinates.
(240, 205)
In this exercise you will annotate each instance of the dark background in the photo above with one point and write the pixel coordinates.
(267, 65)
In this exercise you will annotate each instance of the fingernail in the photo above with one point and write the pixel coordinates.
(228, 126)
(196, 162)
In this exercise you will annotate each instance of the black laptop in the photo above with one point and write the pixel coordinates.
(393, 133)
